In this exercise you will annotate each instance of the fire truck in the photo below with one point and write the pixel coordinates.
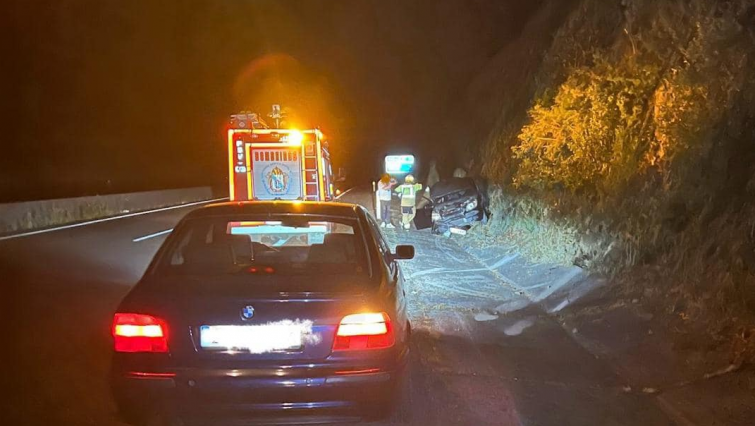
(277, 164)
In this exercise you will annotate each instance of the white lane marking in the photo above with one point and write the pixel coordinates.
(156, 234)
(345, 192)
(564, 303)
(107, 219)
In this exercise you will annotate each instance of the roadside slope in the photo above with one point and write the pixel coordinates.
(623, 145)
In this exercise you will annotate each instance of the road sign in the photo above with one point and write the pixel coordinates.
(399, 164)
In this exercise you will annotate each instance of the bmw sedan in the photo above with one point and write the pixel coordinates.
(253, 310)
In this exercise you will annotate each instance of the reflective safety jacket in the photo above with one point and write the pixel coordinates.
(408, 193)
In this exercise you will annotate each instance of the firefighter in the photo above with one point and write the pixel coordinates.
(384, 187)
(408, 192)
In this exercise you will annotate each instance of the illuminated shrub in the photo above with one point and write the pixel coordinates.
(590, 134)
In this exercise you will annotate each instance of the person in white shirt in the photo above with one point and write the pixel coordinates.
(384, 187)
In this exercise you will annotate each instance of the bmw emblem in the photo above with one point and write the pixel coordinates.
(247, 312)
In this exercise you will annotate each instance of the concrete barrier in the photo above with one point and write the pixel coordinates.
(17, 217)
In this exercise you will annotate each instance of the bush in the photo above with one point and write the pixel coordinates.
(590, 136)
(653, 134)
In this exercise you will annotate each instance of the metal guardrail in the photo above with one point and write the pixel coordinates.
(31, 215)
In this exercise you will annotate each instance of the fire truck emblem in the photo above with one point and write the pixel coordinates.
(277, 181)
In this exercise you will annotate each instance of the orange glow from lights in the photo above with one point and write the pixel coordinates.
(231, 183)
(248, 174)
(320, 166)
(295, 137)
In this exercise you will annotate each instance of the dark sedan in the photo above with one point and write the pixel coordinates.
(249, 310)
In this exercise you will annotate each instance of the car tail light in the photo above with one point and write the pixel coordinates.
(364, 331)
(139, 333)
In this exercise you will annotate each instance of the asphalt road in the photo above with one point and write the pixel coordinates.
(468, 368)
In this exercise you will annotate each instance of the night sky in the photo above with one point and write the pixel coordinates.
(108, 96)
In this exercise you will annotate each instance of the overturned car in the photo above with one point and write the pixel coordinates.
(454, 205)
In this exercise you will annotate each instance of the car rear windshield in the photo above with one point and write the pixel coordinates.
(285, 245)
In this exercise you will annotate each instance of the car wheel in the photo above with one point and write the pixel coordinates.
(402, 406)
(396, 409)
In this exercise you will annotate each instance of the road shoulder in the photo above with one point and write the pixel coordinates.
(694, 381)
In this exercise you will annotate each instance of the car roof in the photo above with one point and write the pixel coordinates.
(276, 207)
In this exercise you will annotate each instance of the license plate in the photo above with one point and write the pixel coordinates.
(252, 338)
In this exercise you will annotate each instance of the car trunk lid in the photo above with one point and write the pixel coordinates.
(235, 320)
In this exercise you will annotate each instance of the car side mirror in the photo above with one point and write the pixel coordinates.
(403, 252)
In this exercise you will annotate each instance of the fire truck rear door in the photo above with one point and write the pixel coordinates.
(276, 173)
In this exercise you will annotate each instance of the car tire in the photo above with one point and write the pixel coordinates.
(402, 405)
(396, 409)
